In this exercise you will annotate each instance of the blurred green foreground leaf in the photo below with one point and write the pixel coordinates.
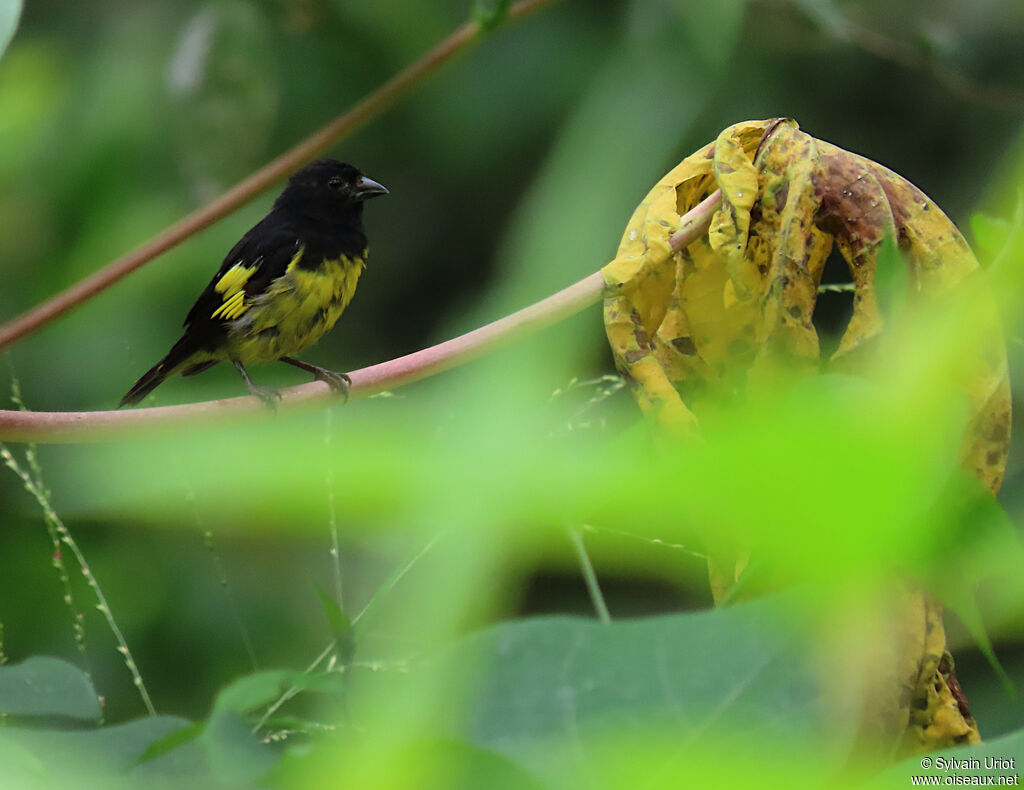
(546, 695)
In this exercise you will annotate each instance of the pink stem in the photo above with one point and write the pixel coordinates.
(93, 426)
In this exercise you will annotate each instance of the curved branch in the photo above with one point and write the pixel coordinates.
(77, 427)
(257, 183)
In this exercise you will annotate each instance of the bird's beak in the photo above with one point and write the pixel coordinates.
(367, 188)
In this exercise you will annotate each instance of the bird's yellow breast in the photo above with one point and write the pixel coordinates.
(295, 311)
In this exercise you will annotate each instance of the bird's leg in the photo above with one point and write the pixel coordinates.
(268, 395)
(339, 382)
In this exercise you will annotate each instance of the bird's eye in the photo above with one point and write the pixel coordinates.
(336, 183)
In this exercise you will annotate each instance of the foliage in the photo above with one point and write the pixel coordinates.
(449, 501)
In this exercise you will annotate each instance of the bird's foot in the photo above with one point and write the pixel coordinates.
(339, 382)
(269, 395)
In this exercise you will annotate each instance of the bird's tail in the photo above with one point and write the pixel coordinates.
(152, 378)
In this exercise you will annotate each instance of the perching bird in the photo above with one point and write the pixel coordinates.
(282, 286)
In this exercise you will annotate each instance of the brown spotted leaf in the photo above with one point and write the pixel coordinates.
(732, 312)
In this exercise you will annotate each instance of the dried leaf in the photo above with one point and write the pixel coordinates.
(732, 312)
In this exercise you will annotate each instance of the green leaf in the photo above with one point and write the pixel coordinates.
(254, 691)
(104, 751)
(891, 277)
(990, 234)
(44, 686)
(973, 541)
(10, 13)
(967, 610)
(341, 626)
(172, 741)
(549, 689)
(235, 754)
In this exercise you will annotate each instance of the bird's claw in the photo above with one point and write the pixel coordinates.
(269, 395)
(339, 382)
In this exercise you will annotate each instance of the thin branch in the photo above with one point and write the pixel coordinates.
(34, 485)
(590, 576)
(77, 427)
(831, 20)
(389, 584)
(995, 97)
(257, 183)
(73, 427)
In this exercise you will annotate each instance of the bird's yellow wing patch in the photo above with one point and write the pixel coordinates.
(296, 258)
(231, 286)
(233, 307)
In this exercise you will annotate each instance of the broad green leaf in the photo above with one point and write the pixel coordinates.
(966, 608)
(172, 742)
(795, 452)
(44, 686)
(253, 691)
(10, 13)
(235, 754)
(100, 751)
(549, 690)
(972, 541)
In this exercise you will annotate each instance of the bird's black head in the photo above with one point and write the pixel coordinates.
(329, 191)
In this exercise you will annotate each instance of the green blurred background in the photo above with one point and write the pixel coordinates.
(512, 173)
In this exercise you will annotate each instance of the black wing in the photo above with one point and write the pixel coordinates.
(260, 256)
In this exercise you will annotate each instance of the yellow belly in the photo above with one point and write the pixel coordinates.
(294, 312)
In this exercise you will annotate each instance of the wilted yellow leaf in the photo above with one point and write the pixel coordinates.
(733, 310)
(732, 313)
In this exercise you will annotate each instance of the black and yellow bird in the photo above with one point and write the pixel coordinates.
(282, 286)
